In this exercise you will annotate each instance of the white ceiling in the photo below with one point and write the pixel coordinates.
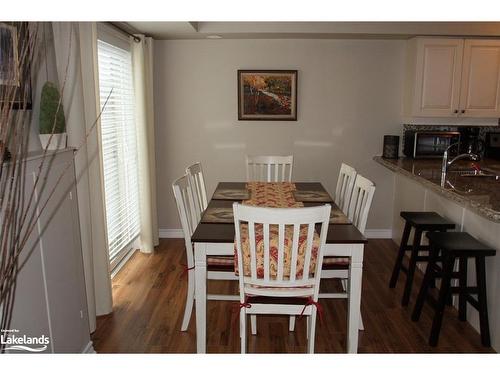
(312, 30)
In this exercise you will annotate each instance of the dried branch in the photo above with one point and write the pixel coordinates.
(18, 216)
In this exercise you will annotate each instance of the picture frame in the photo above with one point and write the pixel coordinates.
(9, 59)
(267, 95)
(15, 69)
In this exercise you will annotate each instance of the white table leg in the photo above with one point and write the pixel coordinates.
(200, 271)
(354, 304)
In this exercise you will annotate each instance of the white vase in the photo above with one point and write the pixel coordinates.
(58, 141)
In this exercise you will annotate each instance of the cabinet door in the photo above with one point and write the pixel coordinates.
(480, 94)
(437, 80)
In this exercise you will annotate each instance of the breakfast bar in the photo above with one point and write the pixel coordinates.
(479, 193)
(471, 202)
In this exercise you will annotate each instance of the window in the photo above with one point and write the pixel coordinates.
(118, 145)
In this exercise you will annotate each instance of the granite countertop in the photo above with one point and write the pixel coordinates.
(478, 194)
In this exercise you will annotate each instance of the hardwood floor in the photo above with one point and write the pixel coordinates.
(149, 295)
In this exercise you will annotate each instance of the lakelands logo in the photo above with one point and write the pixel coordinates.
(12, 341)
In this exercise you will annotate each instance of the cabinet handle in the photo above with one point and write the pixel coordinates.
(455, 111)
(463, 111)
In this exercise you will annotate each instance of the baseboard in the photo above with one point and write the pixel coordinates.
(369, 233)
(89, 348)
(170, 233)
(378, 233)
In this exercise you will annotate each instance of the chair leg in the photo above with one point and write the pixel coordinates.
(453, 283)
(481, 299)
(189, 302)
(308, 324)
(312, 331)
(462, 282)
(291, 323)
(361, 325)
(411, 267)
(399, 258)
(448, 262)
(253, 324)
(243, 330)
(344, 284)
(426, 284)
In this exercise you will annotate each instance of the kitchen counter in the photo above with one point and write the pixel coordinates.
(478, 194)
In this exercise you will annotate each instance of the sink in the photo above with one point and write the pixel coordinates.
(472, 172)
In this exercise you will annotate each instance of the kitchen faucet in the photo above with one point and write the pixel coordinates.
(447, 163)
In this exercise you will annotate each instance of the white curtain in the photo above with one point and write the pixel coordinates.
(80, 100)
(142, 65)
(78, 41)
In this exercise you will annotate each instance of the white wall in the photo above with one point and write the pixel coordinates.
(349, 96)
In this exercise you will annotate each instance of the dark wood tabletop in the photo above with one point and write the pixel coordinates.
(224, 232)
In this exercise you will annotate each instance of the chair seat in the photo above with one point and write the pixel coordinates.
(220, 263)
(427, 220)
(335, 263)
(459, 242)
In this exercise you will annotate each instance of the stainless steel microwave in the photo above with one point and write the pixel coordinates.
(428, 144)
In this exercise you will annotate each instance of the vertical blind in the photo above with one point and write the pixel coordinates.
(119, 146)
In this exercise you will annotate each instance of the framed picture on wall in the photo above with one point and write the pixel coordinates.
(15, 72)
(267, 95)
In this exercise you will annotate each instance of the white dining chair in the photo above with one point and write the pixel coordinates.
(219, 268)
(345, 184)
(197, 183)
(359, 208)
(361, 202)
(261, 291)
(338, 267)
(269, 168)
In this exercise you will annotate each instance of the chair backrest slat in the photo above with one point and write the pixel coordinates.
(286, 221)
(345, 184)
(253, 256)
(266, 252)
(197, 183)
(361, 201)
(295, 250)
(307, 260)
(269, 168)
(281, 251)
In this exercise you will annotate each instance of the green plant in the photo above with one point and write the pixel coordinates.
(51, 109)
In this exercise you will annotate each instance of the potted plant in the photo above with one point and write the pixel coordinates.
(52, 124)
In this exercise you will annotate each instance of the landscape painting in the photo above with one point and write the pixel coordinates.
(15, 65)
(9, 72)
(267, 95)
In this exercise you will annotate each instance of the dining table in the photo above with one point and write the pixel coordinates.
(215, 234)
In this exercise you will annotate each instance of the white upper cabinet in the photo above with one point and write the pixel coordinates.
(439, 65)
(480, 89)
(451, 77)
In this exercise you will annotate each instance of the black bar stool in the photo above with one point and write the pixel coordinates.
(421, 222)
(447, 247)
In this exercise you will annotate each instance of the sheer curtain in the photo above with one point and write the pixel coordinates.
(142, 66)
